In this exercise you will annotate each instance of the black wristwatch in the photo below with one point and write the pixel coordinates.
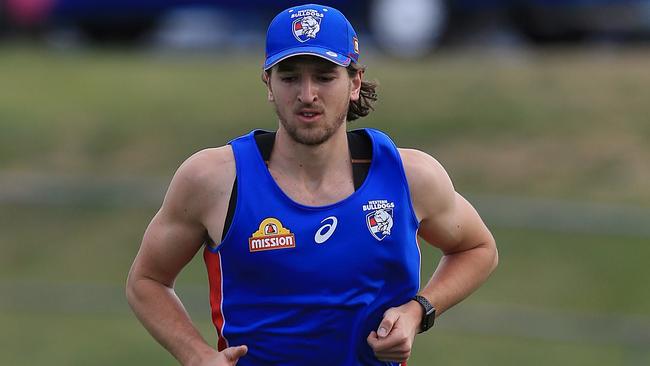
(429, 313)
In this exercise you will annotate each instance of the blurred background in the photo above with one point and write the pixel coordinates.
(539, 110)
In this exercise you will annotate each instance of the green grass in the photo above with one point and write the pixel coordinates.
(453, 349)
(555, 124)
(69, 244)
(62, 273)
(560, 124)
(78, 340)
(576, 272)
(43, 338)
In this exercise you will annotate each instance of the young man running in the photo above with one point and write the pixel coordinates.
(309, 232)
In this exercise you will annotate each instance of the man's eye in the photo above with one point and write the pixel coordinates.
(325, 78)
(288, 79)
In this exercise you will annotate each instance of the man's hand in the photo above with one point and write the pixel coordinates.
(393, 339)
(227, 357)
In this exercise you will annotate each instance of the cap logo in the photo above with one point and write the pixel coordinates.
(306, 24)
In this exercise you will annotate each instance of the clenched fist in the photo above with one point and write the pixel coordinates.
(394, 338)
(227, 357)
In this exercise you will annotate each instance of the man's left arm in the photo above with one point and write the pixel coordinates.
(450, 223)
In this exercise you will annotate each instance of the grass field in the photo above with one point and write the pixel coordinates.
(62, 290)
(563, 124)
(559, 124)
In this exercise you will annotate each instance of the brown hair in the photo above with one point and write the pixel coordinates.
(367, 95)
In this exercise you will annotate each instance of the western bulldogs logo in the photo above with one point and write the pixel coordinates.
(306, 24)
(380, 218)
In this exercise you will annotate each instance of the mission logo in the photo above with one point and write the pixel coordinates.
(379, 218)
(271, 235)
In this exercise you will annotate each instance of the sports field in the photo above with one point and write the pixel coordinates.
(88, 140)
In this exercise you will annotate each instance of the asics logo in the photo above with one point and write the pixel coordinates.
(325, 231)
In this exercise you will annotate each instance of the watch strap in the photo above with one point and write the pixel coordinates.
(429, 313)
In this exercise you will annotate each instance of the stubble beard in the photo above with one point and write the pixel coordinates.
(312, 135)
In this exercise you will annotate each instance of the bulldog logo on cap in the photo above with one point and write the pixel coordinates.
(306, 24)
(303, 30)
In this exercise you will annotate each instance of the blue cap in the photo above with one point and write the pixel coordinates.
(311, 29)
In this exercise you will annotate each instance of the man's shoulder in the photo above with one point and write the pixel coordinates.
(419, 163)
(208, 169)
(200, 183)
(428, 181)
(210, 158)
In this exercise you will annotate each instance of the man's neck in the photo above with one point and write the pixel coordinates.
(311, 162)
(313, 175)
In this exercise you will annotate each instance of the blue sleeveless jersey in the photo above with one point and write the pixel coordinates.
(302, 285)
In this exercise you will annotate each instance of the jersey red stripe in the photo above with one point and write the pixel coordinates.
(213, 265)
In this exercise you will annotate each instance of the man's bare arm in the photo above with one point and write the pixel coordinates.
(451, 224)
(172, 239)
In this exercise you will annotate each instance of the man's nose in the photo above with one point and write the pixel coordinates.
(308, 91)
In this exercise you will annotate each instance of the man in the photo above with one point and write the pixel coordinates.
(309, 233)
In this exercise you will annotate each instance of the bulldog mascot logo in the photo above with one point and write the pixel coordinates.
(306, 24)
(380, 218)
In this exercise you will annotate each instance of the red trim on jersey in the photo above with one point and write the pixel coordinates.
(213, 265)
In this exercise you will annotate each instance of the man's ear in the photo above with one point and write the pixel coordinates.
(356, 86)
(266, 79)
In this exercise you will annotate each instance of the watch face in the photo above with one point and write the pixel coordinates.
(430, 318)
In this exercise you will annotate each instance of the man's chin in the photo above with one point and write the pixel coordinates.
(308, 135)
(310, 138)
(314, 134)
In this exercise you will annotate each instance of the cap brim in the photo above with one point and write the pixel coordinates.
(329, 55)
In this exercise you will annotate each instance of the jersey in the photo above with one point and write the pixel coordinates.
(305, 285)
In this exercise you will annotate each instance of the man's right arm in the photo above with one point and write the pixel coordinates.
(172, 239)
